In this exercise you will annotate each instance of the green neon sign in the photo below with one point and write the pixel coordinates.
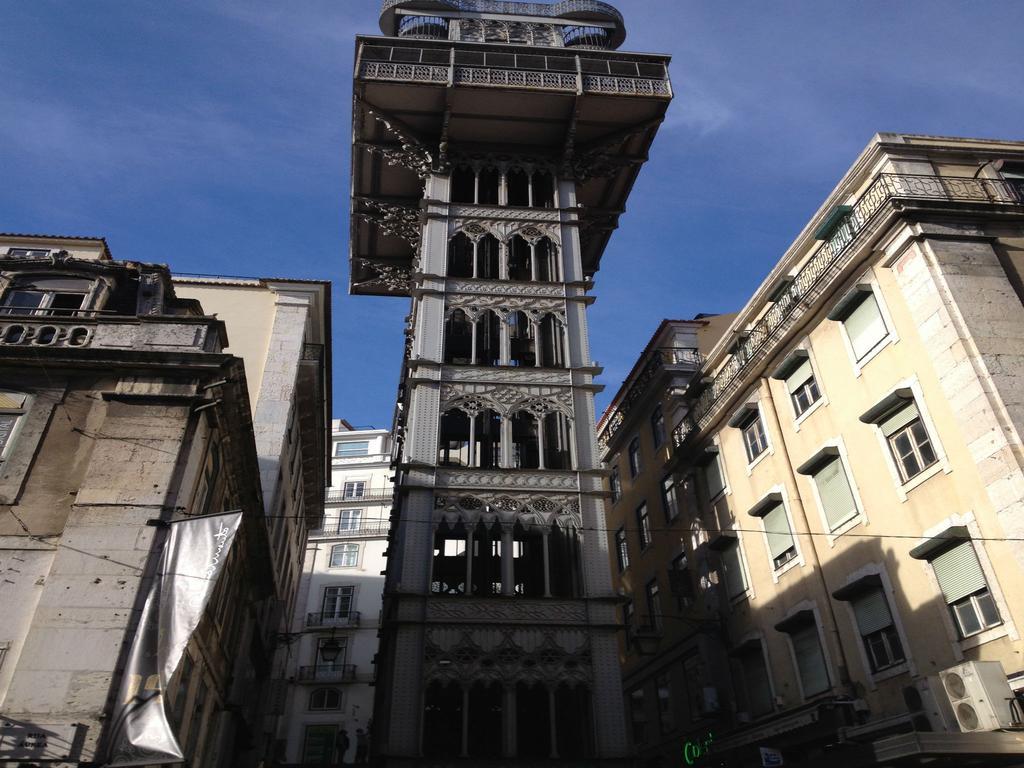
(695, 750)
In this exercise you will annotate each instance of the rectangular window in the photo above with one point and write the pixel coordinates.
(713, 477)
(908, 441)
(666, 717)
(622, 549)
(354, 490)
(963, 584)
(754, 438)
(344, 556)
(669, 500)
(734, 576)
(25, 253)
(643, 525)
(337, 602)
(781, 544)
(803, 388)
(637, 715)
(318, 745)
(679, 582)
(629, 622)
(756, 682)
(876, 627)
(696, 691)
(658, 426)
(835, 493)
(348, 519)
(635, 465)
(654, 616)
(865, 327)
(616, 484)
(352, 448)
(810, 660)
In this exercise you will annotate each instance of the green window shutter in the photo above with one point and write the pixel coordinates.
(959, 572)
(802, 373)
(776, 528)
(810, 660)
(733, 576)
(836, 495)
(865, 326)
(899, 419)
(872, 611)
(713, 473)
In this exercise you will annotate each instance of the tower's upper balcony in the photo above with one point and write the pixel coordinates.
(568, 24)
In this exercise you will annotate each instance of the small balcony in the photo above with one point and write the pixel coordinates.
(362, 531)
(331, 620)
(328, 673)
(339, 496)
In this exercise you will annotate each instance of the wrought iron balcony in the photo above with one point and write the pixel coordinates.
(328, 673)
(675, 358)
(365, 530)
(813, 277)
(564, 72)
(332, 619)
(374, 494)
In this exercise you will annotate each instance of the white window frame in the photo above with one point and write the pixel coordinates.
(942, 463)
(354, 482)
(330, 555)
(353, 594)
(795, 562)
(890, 338)
(337, 690)
(644, 532)
(861, 518)
(908, 664)
(821, 402)
(345, 526)
(341, 443)
(665, 493)
(1008, 628)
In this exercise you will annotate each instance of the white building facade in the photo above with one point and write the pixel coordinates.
(333, 637)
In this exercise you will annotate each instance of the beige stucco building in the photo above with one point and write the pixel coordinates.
(841, 581)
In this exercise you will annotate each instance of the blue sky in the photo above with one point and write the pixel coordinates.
(214, 136)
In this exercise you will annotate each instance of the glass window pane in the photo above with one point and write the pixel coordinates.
(967, 617)
(987, 606)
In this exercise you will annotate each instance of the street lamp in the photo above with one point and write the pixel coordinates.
(330, 650)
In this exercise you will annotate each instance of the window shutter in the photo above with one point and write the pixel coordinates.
(735, 582)
(713, 473)
(802, 373)
(865, 326)
(872, 611)
(899, 419)
(836, 495)
(810, 661)
(776, 528)
(959, 572)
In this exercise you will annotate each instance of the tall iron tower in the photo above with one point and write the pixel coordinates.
(494, 146)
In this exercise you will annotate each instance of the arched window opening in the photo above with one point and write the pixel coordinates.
(454, 443)
(520, 33)
(552, 342)
(488, 339)
(486, 575)
(533, 722)
(458, 339)
(488, 184)
(460, 256)
(572, 722)
(450, 557)
(528, 562)
(495, 32)
(522, 340)
(463, 185)
(557, 441)
(544, 253)
(518, 187)
(563, 559)
(543, 190)
(485, 720)
(442, 721)
(323, 699)
(525, 441)
(487, 257)
(487, 440)
(518, 259)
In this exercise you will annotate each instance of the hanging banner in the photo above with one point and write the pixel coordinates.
(193, 556)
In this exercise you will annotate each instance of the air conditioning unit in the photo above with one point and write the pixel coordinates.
(978, 694)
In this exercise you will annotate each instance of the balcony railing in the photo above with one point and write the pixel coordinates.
(554, 10)
(29, 328)
(332, 619)
(685, 357)
(374, 494)
(328, 673)
(365, 530)
(810, 281)
(514, 70)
